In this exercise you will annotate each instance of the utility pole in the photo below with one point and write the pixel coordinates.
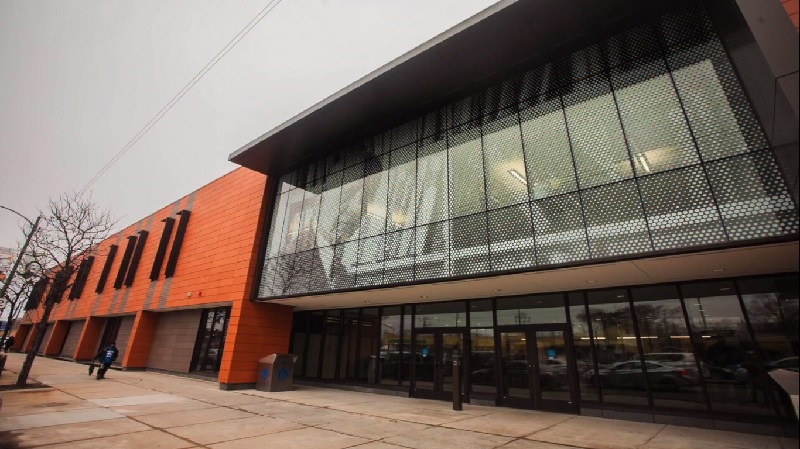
(13, 272)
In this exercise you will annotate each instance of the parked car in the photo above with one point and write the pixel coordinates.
(629, 375)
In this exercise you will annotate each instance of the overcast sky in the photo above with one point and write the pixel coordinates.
(79, 78)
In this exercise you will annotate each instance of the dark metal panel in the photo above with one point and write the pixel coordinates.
(169, 222)
(172, 262)
(80, 280)
(126, 260)
(556, 22)
(101, 283)
(137, 254)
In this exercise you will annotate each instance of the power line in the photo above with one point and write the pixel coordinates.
(171, 103)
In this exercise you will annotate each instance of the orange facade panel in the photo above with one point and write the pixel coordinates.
(791, 7)
(215, 267)
(214, 263)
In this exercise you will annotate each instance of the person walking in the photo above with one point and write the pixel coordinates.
(106, 357)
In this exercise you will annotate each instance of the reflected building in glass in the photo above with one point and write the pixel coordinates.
(595, 220)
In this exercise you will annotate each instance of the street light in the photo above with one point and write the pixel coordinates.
(34, 226)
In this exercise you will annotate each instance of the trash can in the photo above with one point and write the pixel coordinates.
(275, 372)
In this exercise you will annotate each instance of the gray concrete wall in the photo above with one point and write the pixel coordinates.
(174, 341)
(71, 341)
(125, 328)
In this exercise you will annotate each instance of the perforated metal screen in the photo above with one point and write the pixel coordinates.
(643, 142)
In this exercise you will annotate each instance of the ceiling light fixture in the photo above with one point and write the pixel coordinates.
(590, 282)
(718, 270)
(518, 176)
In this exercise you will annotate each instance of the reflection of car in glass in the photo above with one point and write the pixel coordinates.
(683, 360)
(789, 364)
(516, 374)
(630, 375)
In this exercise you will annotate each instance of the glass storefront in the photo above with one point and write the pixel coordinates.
(643, 142)
(704, 347)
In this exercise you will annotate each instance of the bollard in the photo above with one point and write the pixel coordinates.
(457, 385)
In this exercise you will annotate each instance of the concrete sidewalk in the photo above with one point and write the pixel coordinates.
(156, 411)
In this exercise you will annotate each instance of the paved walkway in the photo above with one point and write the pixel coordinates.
(155, 411)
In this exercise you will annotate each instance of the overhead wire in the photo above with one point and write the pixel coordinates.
(175, 99)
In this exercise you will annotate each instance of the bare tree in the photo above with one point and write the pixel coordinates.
(17, 293)
(72, 229)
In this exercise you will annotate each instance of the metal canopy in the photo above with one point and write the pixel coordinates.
(506, 38)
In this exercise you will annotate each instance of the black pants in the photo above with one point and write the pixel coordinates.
(101, 373)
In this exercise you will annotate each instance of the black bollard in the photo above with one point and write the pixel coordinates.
(457, 385)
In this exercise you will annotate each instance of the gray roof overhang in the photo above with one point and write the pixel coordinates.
(506, 38)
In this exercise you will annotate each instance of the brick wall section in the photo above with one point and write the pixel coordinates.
(174, 340)
(57, 336)
(141, 340)
(791, 7)
(71, 341)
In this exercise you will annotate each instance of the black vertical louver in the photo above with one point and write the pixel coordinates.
(101, 283)
(59, 286)
(36, 294)
(137, 254)
(126, 260)
(176, 245)
(162, 248)
(80, 279)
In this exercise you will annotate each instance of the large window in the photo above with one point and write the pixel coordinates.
(210, 340)
(483, 382)
(625, 149)
(698, 346)
(673, 372)
(736, 380)
(390, 362)
(620, 373)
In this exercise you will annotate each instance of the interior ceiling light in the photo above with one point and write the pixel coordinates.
(718, 270)
(590, 282)
(518, 176)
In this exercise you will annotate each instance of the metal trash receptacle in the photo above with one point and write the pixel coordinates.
(275, 372)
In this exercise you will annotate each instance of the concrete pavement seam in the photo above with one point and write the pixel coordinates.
(168, 432)
(663, 426)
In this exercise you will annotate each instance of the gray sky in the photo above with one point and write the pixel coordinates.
(79, 78)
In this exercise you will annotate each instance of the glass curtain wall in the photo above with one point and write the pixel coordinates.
(699, 346)
(642, 142)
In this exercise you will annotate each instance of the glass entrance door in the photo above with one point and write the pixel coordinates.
(536, 368)
(433, 363)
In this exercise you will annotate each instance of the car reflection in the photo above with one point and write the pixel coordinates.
(629, 375)
(552, 374)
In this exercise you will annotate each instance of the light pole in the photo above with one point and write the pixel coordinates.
(34, 226)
